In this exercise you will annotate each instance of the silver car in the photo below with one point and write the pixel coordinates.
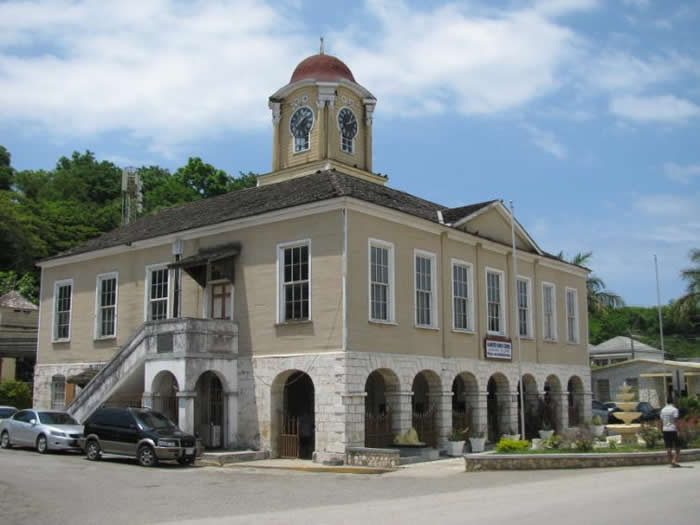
(42, 429)
(6, 412)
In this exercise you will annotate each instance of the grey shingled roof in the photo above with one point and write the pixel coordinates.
(320, 186)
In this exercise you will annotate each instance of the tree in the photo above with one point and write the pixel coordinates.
(26, 285)
(6, 171)
(599, 298)
(208, 181)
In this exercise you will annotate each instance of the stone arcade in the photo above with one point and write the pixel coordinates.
(320, 312)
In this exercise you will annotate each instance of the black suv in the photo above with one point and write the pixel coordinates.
(137, 432)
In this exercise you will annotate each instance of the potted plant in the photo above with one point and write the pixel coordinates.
(546, 431)
(597, 426)
(477, 440)
(455, 442)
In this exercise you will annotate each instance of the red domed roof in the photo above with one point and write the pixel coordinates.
(326, 68)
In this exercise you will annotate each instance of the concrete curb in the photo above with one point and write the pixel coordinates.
(478, 462)
(332, 469)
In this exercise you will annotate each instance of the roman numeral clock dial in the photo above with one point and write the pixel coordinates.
(300, 126)
(347, 123)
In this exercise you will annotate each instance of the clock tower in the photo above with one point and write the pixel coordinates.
(322, 119)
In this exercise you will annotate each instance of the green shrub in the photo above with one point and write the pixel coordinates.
(689, 407)
(651, 435)
(512, 445)
(597, 421)
(16, 394)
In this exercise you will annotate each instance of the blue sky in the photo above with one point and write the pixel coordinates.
(585, 113)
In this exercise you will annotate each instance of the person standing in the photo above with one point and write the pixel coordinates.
(669, 417)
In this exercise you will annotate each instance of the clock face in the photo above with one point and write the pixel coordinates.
(347, 123)
(302, 121)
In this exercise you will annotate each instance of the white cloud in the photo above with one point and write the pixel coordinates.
(474, 61)
(656, 108)
(166, 72)
(682, 174)
(669, 205)
(546, 141)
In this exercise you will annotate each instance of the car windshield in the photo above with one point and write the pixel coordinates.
(6, 412)
(56, 418)
(153, 420)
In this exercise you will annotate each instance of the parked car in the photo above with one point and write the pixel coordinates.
(598, 409)
(610, 405)
(43, 429)
(142, 433)
(649, 413)
(6, 412)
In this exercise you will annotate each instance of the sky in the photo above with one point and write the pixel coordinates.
(584, 113)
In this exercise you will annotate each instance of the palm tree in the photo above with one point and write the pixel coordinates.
(599, 298)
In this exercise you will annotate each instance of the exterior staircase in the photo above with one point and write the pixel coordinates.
(175, 337)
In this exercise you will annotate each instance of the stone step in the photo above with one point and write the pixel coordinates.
(227, 457)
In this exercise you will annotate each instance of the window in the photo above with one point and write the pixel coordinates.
(524, 307)
(462, 310)
(495, 314)
(347, 144)
(294, 264)
(58, 392)
(62, 300)
(549, 312)
(158, 290)
(602, 389)
(571, 315)
(106, 306)
(220, 307)
(425, 286)
(381, 281)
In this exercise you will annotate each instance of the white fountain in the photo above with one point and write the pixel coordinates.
(625, 401)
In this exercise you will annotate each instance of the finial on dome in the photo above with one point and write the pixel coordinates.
(320, 51)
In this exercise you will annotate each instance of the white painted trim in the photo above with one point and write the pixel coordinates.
(38, 326)
(502, 309)
(279, 250)
(576, 339)
(147, 290)
(470, 284)
(391, 296)
(356, 88)
(530, 325)
(435, 308)
(344, 269)
(555, 331)
(56, 285)
(98, 280)
(473, 215)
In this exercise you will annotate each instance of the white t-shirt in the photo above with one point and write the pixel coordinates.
(669, 414)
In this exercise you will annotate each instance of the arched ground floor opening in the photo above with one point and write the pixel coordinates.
(497, 407)
(552, 403)
(209, 410)
(380, 408)
(164, 391)
(426, 387)
(533, 407)
(465, 407)
(293, 425)
(576, 401)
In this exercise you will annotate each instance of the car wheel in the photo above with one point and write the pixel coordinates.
(42, 445)
(147, 456)
(5, 440)
(92, 450)
(185, 461)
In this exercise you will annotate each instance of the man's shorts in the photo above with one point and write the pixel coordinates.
(671, 439)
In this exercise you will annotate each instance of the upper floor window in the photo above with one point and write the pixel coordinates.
(524, 307)
(572, 315)
(158, 292)
(62, 305)
(106, 306)
(347, 124)
(300, 126)
(381, 281)
(549, 312)
(294, 263)
(425, 287)
(462, 305)
(495, 318)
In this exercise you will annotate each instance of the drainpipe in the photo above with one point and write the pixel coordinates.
(443, 292)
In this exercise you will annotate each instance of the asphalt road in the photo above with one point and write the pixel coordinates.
(66, 488)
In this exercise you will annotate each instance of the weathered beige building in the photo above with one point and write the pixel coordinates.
(18, 335)
(321, 310)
